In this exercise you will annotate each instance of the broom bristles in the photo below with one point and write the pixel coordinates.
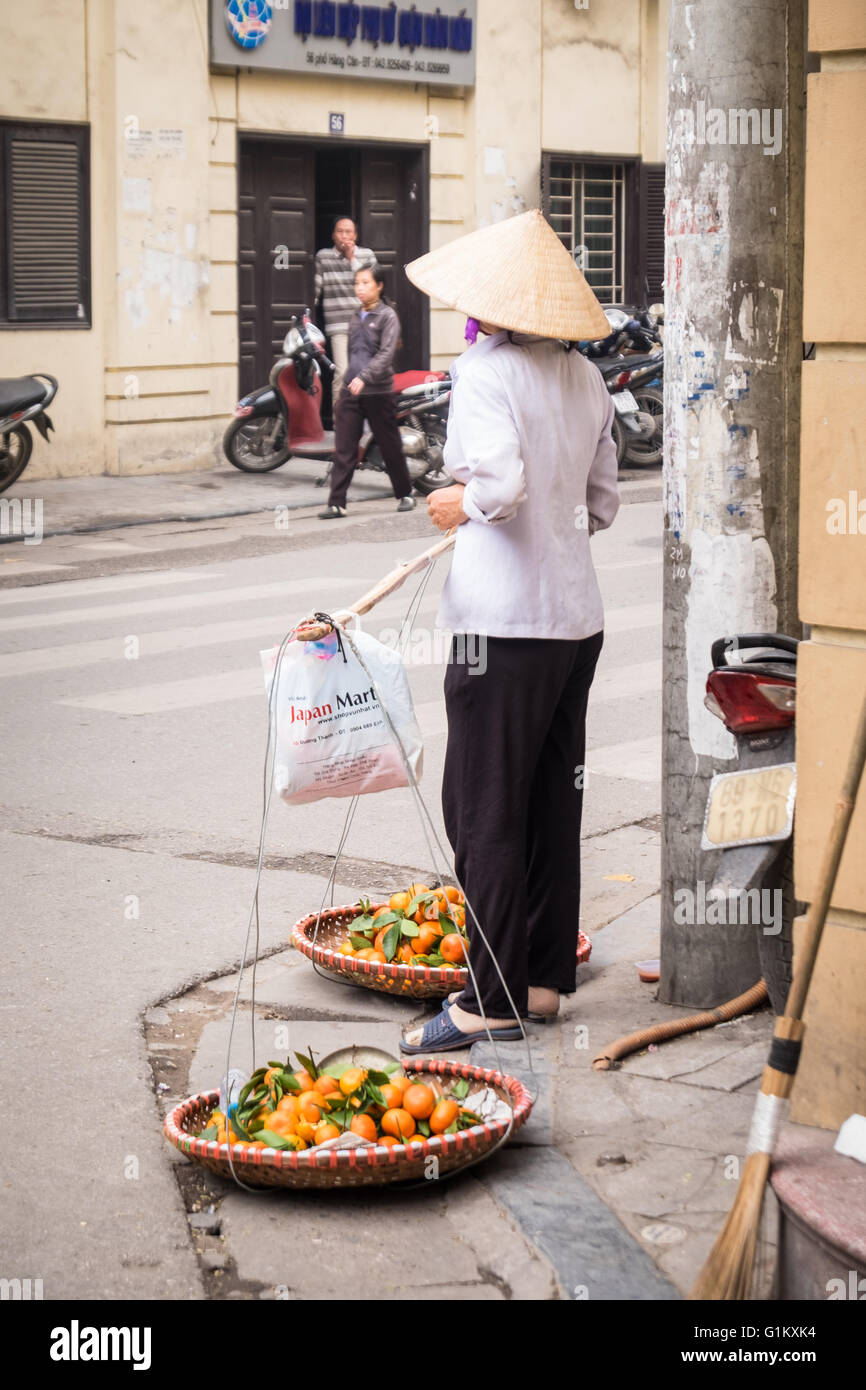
(728, 1269)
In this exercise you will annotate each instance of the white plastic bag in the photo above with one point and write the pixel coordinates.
(331, 735)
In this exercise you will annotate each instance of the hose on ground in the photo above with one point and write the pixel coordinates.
(633, 1042)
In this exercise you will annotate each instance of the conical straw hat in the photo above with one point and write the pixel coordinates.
(516, 274)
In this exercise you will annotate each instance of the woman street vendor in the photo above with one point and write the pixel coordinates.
(529, 442)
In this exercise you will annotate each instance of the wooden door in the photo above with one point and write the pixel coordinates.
(275, 250)
(394, 224)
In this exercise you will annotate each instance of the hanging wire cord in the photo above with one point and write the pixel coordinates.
(433, 842)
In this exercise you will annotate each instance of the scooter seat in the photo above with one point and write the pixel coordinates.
(19, 392)
(403, 380)
(314, 449)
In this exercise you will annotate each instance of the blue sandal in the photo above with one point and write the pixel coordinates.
(441, 1035)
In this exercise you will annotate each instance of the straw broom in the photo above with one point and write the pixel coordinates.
(727, 1271)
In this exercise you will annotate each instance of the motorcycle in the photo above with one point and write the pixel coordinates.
(283, 419)
(749, 816)
(22, 398)
(635, 341)
(639, 406)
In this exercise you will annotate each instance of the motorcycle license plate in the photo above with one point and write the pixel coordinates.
(750, 808)
(624, 403)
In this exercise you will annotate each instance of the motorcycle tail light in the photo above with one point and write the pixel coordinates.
(242, 410)
(784, 697)
(749, 703)
(623, 379)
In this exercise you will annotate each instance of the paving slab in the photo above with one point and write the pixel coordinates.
(383, 1244)
(288, 981)
(732, 1071)
(593, 1254)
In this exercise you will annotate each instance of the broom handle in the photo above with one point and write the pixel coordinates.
(827, 873)
(312, 632)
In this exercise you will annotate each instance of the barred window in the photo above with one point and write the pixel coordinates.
(586, 207)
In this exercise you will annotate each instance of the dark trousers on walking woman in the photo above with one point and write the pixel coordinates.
(512, 797)
(349, 415)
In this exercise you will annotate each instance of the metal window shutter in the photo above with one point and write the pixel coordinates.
(654, 231)
(45, 218)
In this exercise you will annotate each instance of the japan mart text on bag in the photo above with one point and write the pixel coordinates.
(332, 738)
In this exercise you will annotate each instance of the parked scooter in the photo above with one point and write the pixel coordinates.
(283, 420)
(22, 398)
(752, 688)
(639, 407)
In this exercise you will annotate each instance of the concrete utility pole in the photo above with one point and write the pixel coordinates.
(732, 355)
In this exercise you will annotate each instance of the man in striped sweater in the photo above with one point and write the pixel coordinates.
(335, 285)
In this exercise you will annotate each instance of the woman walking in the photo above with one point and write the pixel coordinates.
(529, 441)
(368, 393)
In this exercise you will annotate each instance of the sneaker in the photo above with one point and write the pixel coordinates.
(406, 504)
(332, 512)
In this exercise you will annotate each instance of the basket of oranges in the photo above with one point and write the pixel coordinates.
(414, 945)
(350, 1126)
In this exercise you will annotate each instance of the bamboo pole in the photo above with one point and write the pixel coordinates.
(313, 631)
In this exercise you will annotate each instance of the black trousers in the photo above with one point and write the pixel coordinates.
(349, 415)
(512, 797)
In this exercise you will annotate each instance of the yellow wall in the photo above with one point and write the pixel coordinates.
(149, 387)
(831, 1082)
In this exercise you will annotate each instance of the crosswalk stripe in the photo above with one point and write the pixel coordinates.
(109, 584)
(637, 760)
(175, 602)
(212, 689)
(428, 646)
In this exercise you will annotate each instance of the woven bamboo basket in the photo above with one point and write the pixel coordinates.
(402, 981)
(358, 1167)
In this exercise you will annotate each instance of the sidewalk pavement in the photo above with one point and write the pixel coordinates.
(616, 1188)
(104, 503)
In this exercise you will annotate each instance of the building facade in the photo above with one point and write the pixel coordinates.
(170, 170)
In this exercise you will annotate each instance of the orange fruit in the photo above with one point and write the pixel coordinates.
(423, 942)
(327, 1085)
(311, 1105)
(325, 1131)
(452, 894)
(380, 911)
(401, 1081)
(404, 956)
(419, 1100)
(393, 1096)
(377, 956)
(364, 1125)
(352, 1079)
(398, 902)
(453, 948)
(221, 1136)
(458, 915)
(346, 948)
(416, 889)
(257, 1144)
(304, 1080)
(443, 1115)
(306, 1129)
(289, 1105)
(281, 1123)
(388, 1140)
(399, 1123)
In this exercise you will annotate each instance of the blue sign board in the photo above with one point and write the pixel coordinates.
(406, 43)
